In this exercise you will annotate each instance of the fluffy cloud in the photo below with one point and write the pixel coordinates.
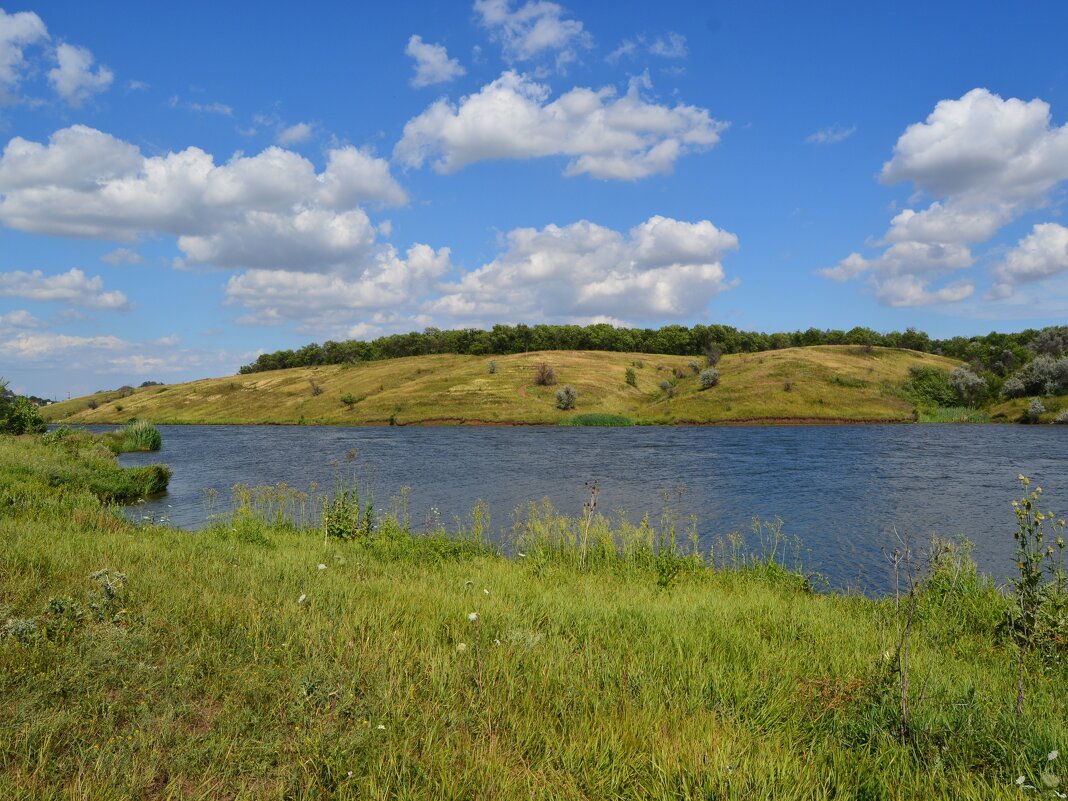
(605, 135)
(432, 63)
(41, 347)
(671, 46)
(73, 287)
(295, 134)
(18, 320)
(387, 282)
(535, 28)
(17, 32)
(662, 268)
(583, 272)
(1041, 254)
(984, 161)
(268, 210)
(74, 78)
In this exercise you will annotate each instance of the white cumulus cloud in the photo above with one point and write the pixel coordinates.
(1041, 254)
(17, 32)
(432, 63)
(18, 320)
(533, 29)
(74, 78)
(295, 134)
(605, 135)
(73, 287)
(662, 268)
(984, 161)
(40, 347)
(386, 281)
(272, 209)
(673, 45)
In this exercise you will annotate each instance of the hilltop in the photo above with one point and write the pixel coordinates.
(825, 383)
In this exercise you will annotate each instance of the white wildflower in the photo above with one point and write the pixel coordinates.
(1020, 779)
(485, 591)
(322, 566)
(302, 599)
(473, 617)
(461, 647)
(380, 727)
(1052, 755)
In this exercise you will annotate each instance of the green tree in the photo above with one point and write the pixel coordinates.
(17, 414)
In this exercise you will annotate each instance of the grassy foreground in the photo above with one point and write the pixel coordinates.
(255, 661)
(821, 383)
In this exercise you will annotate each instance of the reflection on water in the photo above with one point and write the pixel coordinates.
(841, 489)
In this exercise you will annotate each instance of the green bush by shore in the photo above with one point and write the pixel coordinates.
(603, 659)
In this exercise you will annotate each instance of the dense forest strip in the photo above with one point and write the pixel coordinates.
(998, 353)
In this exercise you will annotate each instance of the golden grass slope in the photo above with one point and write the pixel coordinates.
(814, 384)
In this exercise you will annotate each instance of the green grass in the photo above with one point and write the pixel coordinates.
(953, 414)
(813, 384)
(140, 436)
(255, 661)
(598, 419)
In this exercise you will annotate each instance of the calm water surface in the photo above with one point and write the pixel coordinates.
(841, 489)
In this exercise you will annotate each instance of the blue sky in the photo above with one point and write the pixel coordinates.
(182, 188)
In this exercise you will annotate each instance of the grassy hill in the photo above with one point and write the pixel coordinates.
(822, 383)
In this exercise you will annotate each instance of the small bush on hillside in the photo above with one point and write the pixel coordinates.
(1062, 418)
(930, 386)
(968, 386)
(349, 399)
(1035, 410)
(639, 364)
(91, 404)
(713, 353)
(668, 389)
(1051, 341)
(632, 377)
(709, 377)
(695, 368)
(544, 375)
(316, 390)
(1044, 375)
(1013, 388)
(565, 397)
(492, 367)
